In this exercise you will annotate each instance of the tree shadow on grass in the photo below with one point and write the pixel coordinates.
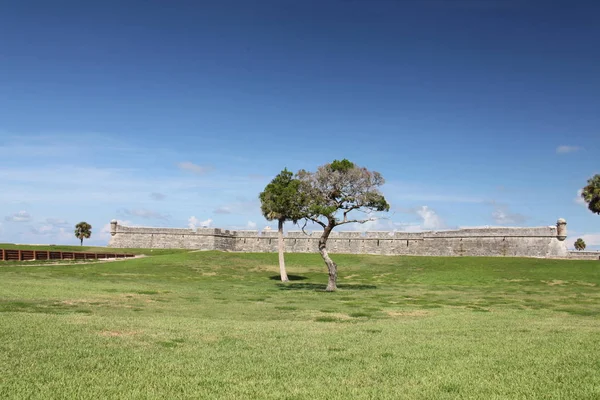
(321, 287)
(290, 277)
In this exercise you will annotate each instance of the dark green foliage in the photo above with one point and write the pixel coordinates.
(281, 199)
(341, 166)
(579, 244)
(591, 194)
(83, 230)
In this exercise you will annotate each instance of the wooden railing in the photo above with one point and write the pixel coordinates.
(46, 255)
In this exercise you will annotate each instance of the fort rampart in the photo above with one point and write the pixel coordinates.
(545, 241)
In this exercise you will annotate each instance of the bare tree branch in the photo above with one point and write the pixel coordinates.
(316, 221)
(348, 210)
(360, 221)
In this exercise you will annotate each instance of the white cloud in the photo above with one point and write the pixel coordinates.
(194, 168)
(144, 213)
(503, 216)
(21, 216)
(430, 219)
(567, 149)
(579, 199)
(193, 223)
(251, 225)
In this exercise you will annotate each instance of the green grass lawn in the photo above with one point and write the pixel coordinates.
(217, 325)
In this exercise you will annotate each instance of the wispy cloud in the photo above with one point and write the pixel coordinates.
(578, 199)
(241, 206)
(20, 216)
(567, 149)
(502, 215)
(157, 196)
(425, 219)
(144, 213)
(194, 168)
(257, 177)
(57, 222)
(591, 239)
(56, 234)
(399, 191)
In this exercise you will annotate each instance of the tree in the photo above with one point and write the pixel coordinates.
(579, 244)
(334, 194)
(282, 201)
(83, 230)
(591, 194)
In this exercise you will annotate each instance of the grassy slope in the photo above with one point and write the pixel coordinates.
(216, 325)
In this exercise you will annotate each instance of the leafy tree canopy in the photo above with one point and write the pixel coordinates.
(591, 194)
(339, 188)
(281, 199)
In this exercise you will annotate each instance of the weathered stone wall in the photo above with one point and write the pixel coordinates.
(584, 255)
(516, 242)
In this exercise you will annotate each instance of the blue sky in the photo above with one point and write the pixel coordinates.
(476, 112)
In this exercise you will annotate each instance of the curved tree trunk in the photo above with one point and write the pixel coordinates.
(282, 273)
(331, 266)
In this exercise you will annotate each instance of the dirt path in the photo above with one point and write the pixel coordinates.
(77, 262)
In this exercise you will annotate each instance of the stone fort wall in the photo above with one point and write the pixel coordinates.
(546, 241)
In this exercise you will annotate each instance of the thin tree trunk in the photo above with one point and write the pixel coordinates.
(81, 241)
(331, 266)
(284, 277)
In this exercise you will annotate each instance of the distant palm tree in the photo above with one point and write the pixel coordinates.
(83, 230)
(579, 244)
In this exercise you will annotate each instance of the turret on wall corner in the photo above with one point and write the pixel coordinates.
(561, 229)
(113, 227)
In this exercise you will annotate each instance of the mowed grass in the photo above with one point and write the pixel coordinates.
(217, 325)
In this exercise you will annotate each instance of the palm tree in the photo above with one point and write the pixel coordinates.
(83, 230)
(282, 201)
(579, 244)
(591, 194)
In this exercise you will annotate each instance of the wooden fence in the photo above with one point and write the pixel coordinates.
(45, 255)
